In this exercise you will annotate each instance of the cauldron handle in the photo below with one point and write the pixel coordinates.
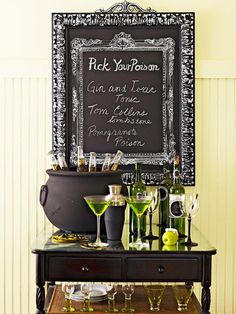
(43, 194)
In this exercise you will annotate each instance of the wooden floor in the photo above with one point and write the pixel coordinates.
(139, 302)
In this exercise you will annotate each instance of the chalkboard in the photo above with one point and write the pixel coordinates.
(124, 81)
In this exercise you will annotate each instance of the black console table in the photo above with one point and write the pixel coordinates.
(118, 262)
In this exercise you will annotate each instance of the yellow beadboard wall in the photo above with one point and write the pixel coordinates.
(25, 137)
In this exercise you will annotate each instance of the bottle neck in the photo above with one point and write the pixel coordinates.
(176, 174)
(138, 177)
(167, 174)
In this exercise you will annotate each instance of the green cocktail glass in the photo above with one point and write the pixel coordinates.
(139, 205)
(98, 204)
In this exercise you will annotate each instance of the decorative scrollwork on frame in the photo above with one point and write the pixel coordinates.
(136, 17)
(76, 44)
(122, 41)
(125, 7)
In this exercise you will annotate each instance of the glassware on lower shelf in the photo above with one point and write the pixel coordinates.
(128, 290)
(182, 293)
(86, 289)
(111, 290)
(68, 288)
(154, 294)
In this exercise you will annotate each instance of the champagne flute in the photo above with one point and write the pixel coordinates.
(153, 191)
(128, 290)
(111, 290)
(86, 288)
(192, 207)
(98, 204)
(68, 288)
(139, 204)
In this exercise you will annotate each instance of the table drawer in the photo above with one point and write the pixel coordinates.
(164, 269)
(74, 268)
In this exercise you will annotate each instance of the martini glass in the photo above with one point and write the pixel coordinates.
(98, 204)
(139, 204)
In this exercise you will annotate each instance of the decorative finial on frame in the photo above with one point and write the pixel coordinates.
(126, 7)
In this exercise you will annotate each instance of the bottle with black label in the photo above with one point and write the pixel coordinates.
(138, 189)
(176, 201)
(165, 186)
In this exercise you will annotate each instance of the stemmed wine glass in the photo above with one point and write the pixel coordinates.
(86, 288)
(68, 288)
(98, 204)
(111, 290)
(192, 207)
(128, 290)
(139, 204)
(152, 191)
(128, 180)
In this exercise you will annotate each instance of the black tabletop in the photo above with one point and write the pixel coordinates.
(45, 244)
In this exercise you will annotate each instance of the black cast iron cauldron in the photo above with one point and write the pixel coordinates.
(62, 198)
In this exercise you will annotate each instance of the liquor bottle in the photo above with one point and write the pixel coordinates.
(106, 163)
(62, 161)
(138, 188)
(176, 201)
(92, 162)
(116, 160)
(53, 161)
(81, 167)
(165, 186)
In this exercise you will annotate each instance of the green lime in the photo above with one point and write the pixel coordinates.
(170, 237)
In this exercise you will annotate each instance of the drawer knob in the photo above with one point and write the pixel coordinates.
(85, 268)
(161, 269)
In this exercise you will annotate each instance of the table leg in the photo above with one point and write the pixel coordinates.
(206, 284)
(40, 299)
(40, 282)
(206, 299)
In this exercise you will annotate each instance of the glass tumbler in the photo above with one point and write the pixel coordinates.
(154, 294)
(182, 294)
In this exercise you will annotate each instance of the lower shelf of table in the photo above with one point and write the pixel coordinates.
(55, 302)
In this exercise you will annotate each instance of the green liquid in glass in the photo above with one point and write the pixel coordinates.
(139, 206)
(98, 207)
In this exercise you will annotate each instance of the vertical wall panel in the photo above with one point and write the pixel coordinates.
(216, 129)
(25, 137)
(2, 198)
(16, 150)
(8, 206)
(26, 204)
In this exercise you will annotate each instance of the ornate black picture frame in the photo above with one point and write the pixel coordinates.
(125, 35)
